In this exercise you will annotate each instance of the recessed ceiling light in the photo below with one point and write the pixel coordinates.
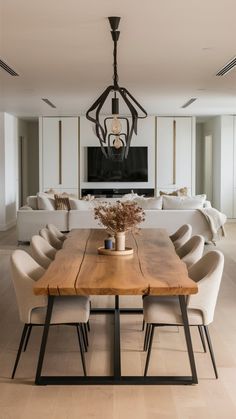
(207, 48)
(48, 102)
(201, 89)
(189, 102)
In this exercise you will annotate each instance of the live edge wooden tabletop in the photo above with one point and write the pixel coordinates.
(153, 269)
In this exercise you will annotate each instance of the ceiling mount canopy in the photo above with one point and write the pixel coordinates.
(115, 132)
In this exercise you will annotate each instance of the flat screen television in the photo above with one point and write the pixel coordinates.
(132, 169)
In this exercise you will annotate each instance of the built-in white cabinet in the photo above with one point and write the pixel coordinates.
(59, 154)
(175, 153)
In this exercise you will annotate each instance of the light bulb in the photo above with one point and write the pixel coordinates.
(117, 143)
(116, 126)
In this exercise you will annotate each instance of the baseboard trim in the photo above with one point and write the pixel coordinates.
(231, 220)
(5, 227)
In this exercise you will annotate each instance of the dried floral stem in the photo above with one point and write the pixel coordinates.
(119, 217)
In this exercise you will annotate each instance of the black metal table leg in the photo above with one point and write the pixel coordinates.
(117, 355)
(182, 302)
(116, 378)
(44, 339)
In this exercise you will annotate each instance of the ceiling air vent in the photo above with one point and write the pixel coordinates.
(48, 102)
(190, 101)
(227, 68)
(8, 69)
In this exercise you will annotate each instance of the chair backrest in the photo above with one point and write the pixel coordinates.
(54, 230)
(50, 238)
(182, 235)
(42, 251)
(207, 272)
(192, 250)
(25, 271)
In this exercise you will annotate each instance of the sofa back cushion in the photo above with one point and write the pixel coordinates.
(81, 204)
(183, 202)
(149, 203)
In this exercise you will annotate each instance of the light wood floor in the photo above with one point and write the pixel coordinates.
(210, 399)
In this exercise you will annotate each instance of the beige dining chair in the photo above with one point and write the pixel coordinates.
(51, 238)
(159, 311)
(54, 230)
(182, 235)
(71, 310)
(192, 250)
(42, 251)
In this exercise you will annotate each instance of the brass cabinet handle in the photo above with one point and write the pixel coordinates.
(174, 152)
(60, 151)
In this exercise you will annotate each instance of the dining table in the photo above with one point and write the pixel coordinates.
(154, 269)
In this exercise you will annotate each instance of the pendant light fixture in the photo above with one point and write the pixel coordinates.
(115, 132)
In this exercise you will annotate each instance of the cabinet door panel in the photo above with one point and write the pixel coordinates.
(164, 151)
(50, 153)
(183, 151)
(69, 153)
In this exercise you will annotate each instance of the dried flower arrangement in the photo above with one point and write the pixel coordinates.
(119, 217)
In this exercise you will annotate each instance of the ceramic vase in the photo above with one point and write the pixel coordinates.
(120, 241)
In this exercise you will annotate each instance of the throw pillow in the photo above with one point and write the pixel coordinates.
(32, 202)
(182, 202)
(62, 203)
(178, 192)
(44, 202)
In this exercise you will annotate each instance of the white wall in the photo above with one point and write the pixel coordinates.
(199, 158)
(145, 137)
(8, 170)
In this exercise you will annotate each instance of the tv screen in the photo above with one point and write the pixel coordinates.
(132, 169)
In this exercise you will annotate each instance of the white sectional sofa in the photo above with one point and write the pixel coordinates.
(30, 219)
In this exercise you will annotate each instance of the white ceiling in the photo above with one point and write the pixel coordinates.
(169, 51)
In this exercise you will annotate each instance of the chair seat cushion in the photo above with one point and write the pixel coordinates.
(166, 310)
(66, 309)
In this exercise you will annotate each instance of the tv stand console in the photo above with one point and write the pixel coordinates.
(110, 193)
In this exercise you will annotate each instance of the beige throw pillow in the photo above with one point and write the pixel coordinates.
(44, 202)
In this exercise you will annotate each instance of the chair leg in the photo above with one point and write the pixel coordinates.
(83, 342)
(79, 329)
(88, 326)
(84, 338)
(211, 350)
(152, 328)
(25, 329)
(202, 338)
(85, 334)
(143, 325)
(146, 337)
(27, 337)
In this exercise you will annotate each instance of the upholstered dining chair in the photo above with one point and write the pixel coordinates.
(54, 230)
(160, 311)
(182, 235)
(51, 238)
(42, 251)
(192, 250)
(72, 310)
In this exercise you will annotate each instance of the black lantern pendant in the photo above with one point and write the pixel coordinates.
(115, 133)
